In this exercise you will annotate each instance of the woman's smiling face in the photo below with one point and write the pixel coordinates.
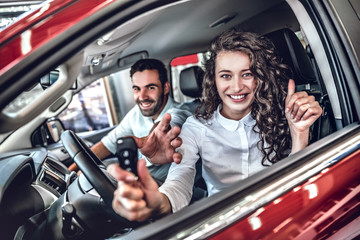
(235, 83)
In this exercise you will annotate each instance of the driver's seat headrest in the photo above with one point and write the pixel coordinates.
(191, 80)
(294, 55)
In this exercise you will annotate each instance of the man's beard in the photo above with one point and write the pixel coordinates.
(154, 110)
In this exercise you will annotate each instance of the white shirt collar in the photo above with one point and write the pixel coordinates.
(233, 125)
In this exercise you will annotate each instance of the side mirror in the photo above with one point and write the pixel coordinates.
(48, 133)
(55, 129)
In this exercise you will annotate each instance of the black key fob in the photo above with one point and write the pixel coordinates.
(127, 153)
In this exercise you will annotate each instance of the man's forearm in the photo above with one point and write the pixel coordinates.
(100, 150)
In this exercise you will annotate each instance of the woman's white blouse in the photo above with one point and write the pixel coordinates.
(229, 154)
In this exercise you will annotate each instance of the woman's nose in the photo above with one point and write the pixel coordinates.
(237, 84)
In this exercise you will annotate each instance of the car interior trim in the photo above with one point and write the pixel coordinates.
(319, 53)
(338, 59)
(344, 34)
(346, 58)
(47, 198)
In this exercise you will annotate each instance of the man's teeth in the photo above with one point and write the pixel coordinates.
(237, 96)
(146, 104)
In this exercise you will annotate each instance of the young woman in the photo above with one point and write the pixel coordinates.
(250, 118)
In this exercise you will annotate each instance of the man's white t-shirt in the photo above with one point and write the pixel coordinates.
(136, 124)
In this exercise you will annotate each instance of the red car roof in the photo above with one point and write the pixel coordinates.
(42, 25)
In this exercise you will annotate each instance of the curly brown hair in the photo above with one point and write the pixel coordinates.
(271, 76)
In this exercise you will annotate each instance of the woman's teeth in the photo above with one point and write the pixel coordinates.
(237, 96)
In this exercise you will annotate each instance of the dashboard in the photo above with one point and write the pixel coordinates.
(30, 181)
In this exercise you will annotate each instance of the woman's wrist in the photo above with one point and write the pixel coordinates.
(164, 207)
(299, 140)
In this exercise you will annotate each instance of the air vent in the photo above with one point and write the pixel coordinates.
(53, 181)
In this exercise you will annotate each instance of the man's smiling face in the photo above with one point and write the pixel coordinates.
(149, 95)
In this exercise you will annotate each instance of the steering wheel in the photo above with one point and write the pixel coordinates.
(89, 164)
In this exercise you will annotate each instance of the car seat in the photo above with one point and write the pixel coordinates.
(306, 77)
(191, 86)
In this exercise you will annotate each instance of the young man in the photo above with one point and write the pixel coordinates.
(151, 94)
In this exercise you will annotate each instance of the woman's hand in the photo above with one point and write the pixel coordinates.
(301, 112)
(137, 200)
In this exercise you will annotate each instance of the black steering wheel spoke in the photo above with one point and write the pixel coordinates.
(89, 164)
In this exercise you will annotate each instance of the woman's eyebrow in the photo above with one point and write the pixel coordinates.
(227, 71)
(224, 71)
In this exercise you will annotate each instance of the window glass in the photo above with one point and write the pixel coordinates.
(100, 105)
(120, 94)
(88, 109)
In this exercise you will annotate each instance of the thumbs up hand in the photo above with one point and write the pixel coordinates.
(301, 111)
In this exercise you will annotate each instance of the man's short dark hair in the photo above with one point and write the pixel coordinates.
(150, 64)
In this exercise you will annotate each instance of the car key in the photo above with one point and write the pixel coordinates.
(127, 154)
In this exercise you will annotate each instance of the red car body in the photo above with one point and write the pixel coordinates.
(317, 209)
(42, 26)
